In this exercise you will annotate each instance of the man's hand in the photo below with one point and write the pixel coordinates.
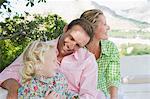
(12, 86)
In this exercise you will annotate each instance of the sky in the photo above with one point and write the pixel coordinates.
(121, 4)
(117, 5)
(114, 4)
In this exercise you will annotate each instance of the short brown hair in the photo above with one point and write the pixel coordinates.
(86, 25)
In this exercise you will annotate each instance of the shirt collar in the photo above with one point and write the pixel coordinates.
(104, 47)
(43, 79)
(46, 80)
(75, 54)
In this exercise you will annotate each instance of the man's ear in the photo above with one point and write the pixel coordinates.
(65, 28)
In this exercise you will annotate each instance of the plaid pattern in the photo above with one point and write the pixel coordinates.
(108, 67)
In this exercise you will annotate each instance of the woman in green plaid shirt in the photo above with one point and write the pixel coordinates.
(106, 53)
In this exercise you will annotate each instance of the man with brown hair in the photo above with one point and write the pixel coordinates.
(76, 63)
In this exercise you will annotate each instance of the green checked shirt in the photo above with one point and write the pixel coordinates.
(108, 67)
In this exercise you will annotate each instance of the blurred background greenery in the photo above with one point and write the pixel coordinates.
(17, 32)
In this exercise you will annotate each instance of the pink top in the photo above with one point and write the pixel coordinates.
(80, 69)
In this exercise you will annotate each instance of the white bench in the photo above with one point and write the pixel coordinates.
(135, 73)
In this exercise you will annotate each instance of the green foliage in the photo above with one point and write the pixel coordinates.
(16, 33)
(134, 49)
(6, 6)
(6, 3)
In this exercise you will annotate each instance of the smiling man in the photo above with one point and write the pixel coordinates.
(76, 63)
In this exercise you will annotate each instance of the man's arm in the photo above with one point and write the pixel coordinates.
(12, 86)
(88, 82)
(12, 71)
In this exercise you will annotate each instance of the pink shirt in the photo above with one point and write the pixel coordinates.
(80, 69)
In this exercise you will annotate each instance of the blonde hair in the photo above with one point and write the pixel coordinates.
(32, 57)
(92, 16)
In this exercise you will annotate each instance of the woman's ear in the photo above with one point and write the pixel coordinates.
(65, 29)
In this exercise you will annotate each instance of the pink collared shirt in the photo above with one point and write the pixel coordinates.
(80, 69)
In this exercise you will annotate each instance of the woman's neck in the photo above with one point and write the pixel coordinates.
(94, 47)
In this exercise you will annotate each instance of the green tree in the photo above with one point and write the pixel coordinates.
(17, 32)
(7, 6)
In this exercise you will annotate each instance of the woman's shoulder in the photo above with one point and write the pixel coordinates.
(108, 43)
(109, 47)
(60, 76)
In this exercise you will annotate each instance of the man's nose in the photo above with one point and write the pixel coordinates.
(72, 45)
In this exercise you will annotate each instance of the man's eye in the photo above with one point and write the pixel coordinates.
(72, 39)
(78, 45)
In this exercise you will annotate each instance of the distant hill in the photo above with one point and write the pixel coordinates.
(117, 21)
(72, 9)
(141, 12)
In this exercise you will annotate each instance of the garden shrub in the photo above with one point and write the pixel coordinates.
(134, 49)
(17, 32)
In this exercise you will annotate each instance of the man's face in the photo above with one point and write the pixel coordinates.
(72, 40)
